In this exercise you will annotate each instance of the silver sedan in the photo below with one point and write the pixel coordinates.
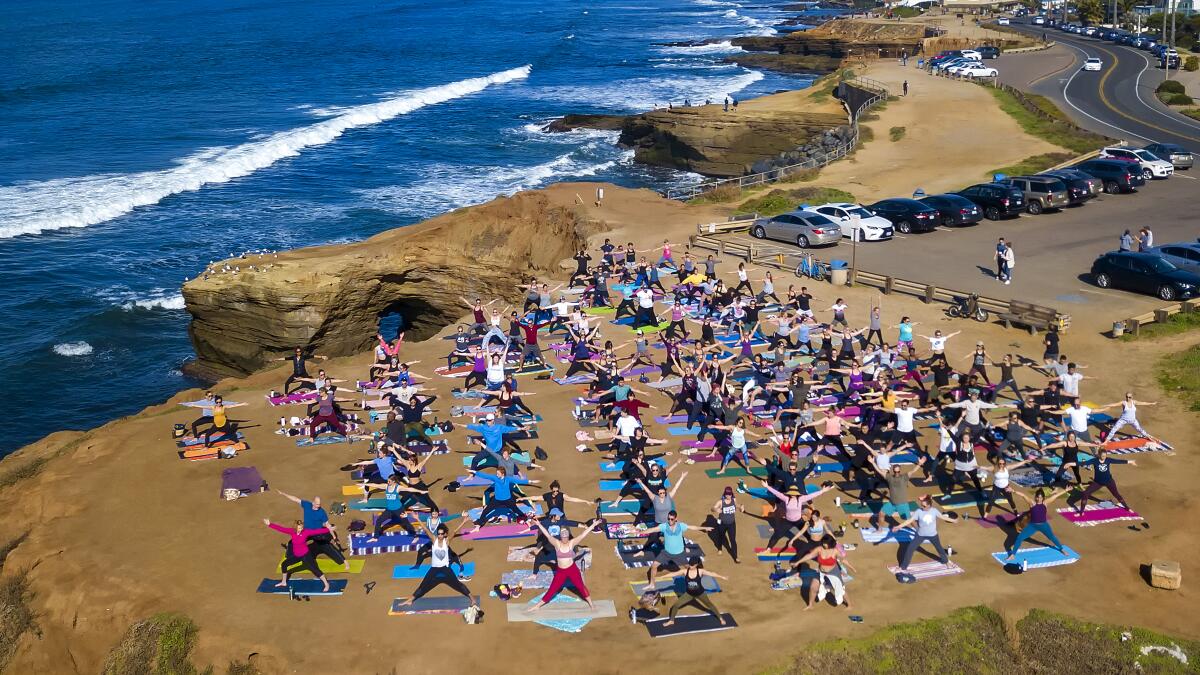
(802, 227)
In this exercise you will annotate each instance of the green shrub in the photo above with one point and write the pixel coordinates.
(776, 202)
(1170, 87)
(896, 133)
(1179, 99)
(1191, 64)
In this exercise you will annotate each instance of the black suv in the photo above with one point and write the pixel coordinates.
(908, 215)
(1080, 186)
(1118, 175)
(1144, 272)
(996, 199)
(988, 52)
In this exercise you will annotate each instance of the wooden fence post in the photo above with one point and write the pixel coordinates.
(929, 291)
(888, 285)
(1161, 315)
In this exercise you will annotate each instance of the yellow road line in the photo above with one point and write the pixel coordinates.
(1108, 104)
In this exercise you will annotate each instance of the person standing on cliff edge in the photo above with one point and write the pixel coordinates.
(599, 196)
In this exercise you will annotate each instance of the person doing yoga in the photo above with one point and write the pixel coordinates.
(694, 592)
(565, 568)
(298, 551)
(441, 561)
(1039, 520)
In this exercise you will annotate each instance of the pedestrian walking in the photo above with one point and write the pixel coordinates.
(1126, 242)
(904, 87)
(1010, 261)
(999, 258)
(1145, 239)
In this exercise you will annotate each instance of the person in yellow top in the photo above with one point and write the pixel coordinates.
(221, 424)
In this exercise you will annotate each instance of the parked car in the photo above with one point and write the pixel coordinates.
(1093, 63)
(1152, 167)
(1184, 255)
(802, 227)
(1117, 175)
(988, 52)
(955, 68)
(977, 70)
(1144, 272)
(1080, 186)
(972, 54)
(996, 200)
(907, 215)
(1090, 31)
(1042, 193)
(1179, 156)
(954, 209)
(868, 227)
(1039, 21)
(1168, 59)
(1003, 21)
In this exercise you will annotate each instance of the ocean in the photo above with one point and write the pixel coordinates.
(140, 141)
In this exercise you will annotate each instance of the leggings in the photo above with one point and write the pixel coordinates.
(307, 561)
(475, 377)
(961, 477)
(997, 492)
(561, 577)
(726, 535)
(227, 431)
(677, 327)
(207, 419)
(1011, 384)
(331, 420)
(392, 517)
(916, 542)
(1121, 422)
(874, 333)
(437, 576)
(739, 455)
(744, 284)
(1032, 529)
(1093, 487)
(322, 544)
(702, 601)
(498, 506)
(296, 378)
(980, 371)
(578, 366)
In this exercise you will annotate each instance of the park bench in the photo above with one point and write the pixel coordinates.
(1034, 317)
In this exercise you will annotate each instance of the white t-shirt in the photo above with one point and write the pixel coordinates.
(562, 308)
(927, 521)
(1000, 478)
(904, 419)
(1078, 418)
(626, 425)
(742, 275)
(440, 554)
(839, 311)
(645, 298)
(937, 344)
(1070, 383)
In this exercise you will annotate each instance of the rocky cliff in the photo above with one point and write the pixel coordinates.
(825, 45)
(330, 298)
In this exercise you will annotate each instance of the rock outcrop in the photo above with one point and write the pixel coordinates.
(330, 298)
(712, 142)
(573, 122)
(832, 42)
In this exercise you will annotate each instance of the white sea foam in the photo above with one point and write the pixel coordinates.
(644, 93)
(724, 47)
(157, 300)
(73, 349)
(717, 3)
(29, 208)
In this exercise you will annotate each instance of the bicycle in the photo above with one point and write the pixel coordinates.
(811, 266)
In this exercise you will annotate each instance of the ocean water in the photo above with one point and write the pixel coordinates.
(140, 141)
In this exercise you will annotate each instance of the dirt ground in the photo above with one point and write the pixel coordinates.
(120, 529)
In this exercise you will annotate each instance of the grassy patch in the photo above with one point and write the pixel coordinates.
(1174, 325)
(720, 195)
(1033, 164)
(896, 133)
(16, 615)
(160, 645)
(1179, 374)
(801, 176)
(1193, 113)
(1057, 130)
(776, 202)
(34, 467)
(976, 640)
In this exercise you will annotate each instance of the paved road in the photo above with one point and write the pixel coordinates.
(1118, 101)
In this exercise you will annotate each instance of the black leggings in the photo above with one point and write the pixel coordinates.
(229, 431)
(437, 576)
(677, 327)
(961, 478)
(474, 378)
(322, 544)
(577, 366)
(995, 493)
(498, 506)
(726, 535)
(389, 518)
(874, 333)
(1093, 487)
(296, 378)
(308, 562)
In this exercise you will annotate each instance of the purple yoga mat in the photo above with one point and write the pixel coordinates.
(670, 419)
(640, 370)
(509, 531)
(699, 445)
(244, 479)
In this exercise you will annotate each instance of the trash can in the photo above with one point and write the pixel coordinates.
(839, 272)
(1118, 329)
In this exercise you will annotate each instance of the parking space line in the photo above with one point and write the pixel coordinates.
(1179, 175)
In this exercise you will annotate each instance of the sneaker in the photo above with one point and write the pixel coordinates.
(741, 486)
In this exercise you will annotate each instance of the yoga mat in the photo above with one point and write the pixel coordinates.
(407, 571)
(684, 431)
(189, 441)
(565, 610)
(574, 379)
(995, 520)
(526, 508)
(1093, 515)
(625, 531)
(775, 554)
(467, 460)
(854, 508)
(200, 452)
(527, 579)
(960, 500)
(386, 543)
(510, 531)
(886, 535)
(616, 467)
(673, 586)
(624, 506)
(707, 456)
(670, 419)
(521, 554)
(302, 587)
(668, 382)
(737, 472)
(707, 443)
(328, 566)
(929, 570)
(1039, 557)
(634, 560)
(640, 370)
(306, 441)
(292, 399)
(687, 624)
(611, 484)
(431, 605)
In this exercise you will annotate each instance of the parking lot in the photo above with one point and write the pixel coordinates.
(1054, 251)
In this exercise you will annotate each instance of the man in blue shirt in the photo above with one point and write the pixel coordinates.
(503, 501)
(315, 518)
(493, 438)
(674, 546)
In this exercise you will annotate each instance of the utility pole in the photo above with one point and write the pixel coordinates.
(1169, 41)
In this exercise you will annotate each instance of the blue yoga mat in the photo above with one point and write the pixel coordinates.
(536, 510)
(303, 587)
(1039, 557)
(407, 572)
(519, 456)
(616, 467)
(614, 484)
(627, 506)
(684, 431)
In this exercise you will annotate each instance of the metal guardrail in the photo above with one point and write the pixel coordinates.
(767, 177)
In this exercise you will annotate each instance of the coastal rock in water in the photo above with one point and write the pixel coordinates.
(710, 141)
(329, 298)
(572, 122)
(821, 49)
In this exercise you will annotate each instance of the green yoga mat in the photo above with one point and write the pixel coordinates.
(960, 500)
(737, 472)
(328, 566)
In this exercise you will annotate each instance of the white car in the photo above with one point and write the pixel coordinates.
(857, 222)
(972, 54)
(1003, 21)
(957, 68)
(1152, 167)
(1092, 63)
(1039, 20)
(978, 71)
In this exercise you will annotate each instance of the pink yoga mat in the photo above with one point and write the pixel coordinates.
(498, 532)
(707, 443)
(1098, 516)
(995, 520)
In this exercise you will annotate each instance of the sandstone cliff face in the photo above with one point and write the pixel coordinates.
(329, 298)
(713, 142)
(834, 40)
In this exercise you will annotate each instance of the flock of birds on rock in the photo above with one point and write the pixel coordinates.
(214, 267)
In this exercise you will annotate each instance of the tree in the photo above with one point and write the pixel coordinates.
(1090, 11)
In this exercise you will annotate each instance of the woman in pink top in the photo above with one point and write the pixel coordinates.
(793, 509)
(298, 551)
